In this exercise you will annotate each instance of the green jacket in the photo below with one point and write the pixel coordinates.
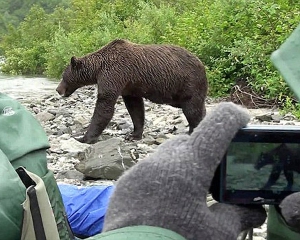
(277, 228)
(23, 142)
(139, 233)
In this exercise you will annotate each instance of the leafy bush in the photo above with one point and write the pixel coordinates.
(235, 38)
(24, 60)
(25, 47)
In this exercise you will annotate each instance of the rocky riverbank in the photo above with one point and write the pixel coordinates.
(64, 118)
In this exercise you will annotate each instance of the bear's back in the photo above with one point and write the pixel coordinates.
(150, 54)
(157, 72)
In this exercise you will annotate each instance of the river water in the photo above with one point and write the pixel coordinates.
(21, 87)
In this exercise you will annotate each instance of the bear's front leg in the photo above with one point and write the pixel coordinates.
(135, 107)
(103, 113)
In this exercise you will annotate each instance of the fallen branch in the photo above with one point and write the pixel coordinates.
(247, 97)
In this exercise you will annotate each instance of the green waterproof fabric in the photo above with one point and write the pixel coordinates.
(287, 58)
(12, 194)
(35, 162)
(57, 205)
(20, 132)
(139, 233)
(23, 142)
(278, 229)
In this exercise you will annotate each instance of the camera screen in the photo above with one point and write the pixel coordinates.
(262, 165)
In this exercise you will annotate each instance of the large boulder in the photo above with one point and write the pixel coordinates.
(107, 159)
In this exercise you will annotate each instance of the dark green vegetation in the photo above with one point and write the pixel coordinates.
(234, 38)
(12, 12)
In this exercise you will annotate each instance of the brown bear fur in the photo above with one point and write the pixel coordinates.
(164, 74)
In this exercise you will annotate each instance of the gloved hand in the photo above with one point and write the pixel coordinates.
(290, 210)
(169, 188)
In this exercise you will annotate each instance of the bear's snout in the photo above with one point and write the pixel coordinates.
(62, 89)
(65, 90)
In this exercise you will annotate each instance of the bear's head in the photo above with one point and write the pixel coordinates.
(73, 77)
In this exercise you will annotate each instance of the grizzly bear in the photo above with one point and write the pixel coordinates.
(163, 74)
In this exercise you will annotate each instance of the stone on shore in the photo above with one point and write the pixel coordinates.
(107, 159)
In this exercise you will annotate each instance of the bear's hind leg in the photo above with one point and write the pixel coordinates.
(135, 107)
(194, 113)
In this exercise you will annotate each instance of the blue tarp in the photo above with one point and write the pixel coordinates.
(86, 207)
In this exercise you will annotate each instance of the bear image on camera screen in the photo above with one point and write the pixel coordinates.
(282, 159)
(163, 74)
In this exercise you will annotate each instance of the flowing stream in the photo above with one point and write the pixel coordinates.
(22, 87)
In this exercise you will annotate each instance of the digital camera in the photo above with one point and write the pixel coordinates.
(261, 166)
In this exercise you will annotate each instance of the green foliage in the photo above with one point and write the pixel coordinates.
(151, 23)
(81, 29)
(25, 48)
(291, 106)
(12, 12)
(24, 60)
(233, 38)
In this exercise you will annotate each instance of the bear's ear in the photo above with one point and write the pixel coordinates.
(76, 63)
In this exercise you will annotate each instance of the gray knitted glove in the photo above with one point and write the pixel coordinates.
(290, 210)
(169, 188)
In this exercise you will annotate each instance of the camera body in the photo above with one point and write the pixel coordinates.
(261, 166)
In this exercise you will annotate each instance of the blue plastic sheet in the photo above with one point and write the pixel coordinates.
(85, 207)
